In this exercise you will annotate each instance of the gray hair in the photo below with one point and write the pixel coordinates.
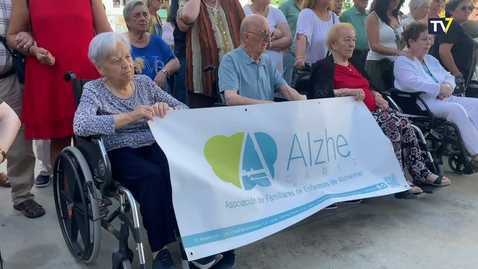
(128, 8)
(104, 44)
(417, 4)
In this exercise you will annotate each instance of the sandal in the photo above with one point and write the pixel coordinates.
(4, 182)
(438, 181)
(30, 208)
(414, 189)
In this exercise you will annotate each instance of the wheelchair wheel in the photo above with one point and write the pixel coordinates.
(456, 163)
(77, 209)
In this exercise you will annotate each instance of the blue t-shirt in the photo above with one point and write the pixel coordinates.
(155, 56)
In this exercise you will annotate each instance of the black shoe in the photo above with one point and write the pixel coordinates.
(205, 263)
(228, 260)
(164, 261)
(352, 202)
(42, 181)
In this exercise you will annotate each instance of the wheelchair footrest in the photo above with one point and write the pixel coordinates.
(429, 188)
(408, 196)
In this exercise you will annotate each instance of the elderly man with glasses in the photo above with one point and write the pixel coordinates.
(246, 75)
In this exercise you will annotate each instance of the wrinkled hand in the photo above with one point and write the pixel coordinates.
(138, 68)
(299, 64)
(381, 103)
(24, 39)
(358, 94)
(277, 34)
(160, 79)
(43, 56)
(160, 109)
(142, 112)
(445, 91)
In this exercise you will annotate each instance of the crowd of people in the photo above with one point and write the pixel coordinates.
(259, 51)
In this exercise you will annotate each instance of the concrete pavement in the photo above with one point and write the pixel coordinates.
(437, 231)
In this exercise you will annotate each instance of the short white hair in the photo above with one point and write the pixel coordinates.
(104, 44)
(417, 4)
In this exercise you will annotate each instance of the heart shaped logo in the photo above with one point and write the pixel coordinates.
(243, 160)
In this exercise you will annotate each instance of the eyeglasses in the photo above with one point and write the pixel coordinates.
(263, 34)
(470, 8)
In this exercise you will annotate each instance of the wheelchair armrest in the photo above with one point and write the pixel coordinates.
(90, 138)
(217, 104)
(279, 99)
(69, 76)
(394, 91)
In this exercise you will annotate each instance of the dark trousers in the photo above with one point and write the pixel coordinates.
(145, 172)
(179, 91)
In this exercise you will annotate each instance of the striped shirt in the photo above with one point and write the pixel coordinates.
(5, 56)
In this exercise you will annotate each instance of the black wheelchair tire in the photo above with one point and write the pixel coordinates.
(72, 159)
(457, 165)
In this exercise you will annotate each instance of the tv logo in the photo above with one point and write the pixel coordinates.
(439, 26)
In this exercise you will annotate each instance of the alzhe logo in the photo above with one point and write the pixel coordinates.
(439, 25)
(243, 159)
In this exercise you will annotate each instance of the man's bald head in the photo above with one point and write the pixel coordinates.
(253, 22)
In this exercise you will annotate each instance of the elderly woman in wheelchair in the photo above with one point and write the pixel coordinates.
(339, 75)
(423, 74)
(117, 107)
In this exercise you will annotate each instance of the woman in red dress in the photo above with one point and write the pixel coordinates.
(63, 31)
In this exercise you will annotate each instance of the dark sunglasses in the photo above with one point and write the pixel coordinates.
(263, 34)
(470, 8)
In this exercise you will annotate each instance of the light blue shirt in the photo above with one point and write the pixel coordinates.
(239, 72)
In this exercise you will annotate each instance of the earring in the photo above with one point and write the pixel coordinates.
(334, 49)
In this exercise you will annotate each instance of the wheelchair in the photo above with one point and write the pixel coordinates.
(83, 188)
(437, 137)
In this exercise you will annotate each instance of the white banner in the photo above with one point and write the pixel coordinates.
(242, 173)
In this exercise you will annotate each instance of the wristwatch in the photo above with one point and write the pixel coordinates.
(165, 71)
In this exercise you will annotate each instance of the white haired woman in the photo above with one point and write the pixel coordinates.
(118, 106)
(418, 11)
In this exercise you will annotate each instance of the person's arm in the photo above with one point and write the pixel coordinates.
(304, 33)
(100, 21)
(281, 85)
(172, 62)
(19, 22)
(229, 84)
(9, 126)
(291, 94)
(321, 81)
(87, 122)
(372, 28)
(446, 57)
(408, 80)
(188, 13)
(286, 40)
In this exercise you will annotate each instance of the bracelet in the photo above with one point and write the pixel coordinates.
(299, 57)
(377, 95)
(28, 50)
(338, 93)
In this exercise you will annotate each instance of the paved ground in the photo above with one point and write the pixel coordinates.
(437, 231)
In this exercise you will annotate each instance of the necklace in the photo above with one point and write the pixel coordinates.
(216, 5)
(345, 64)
